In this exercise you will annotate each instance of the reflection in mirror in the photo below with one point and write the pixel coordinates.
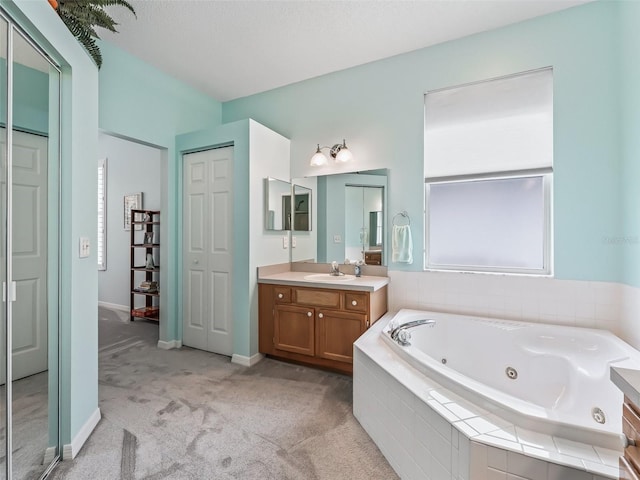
(363, 241)
(277, 210)
(32, 230)
(3, 233)
(344, 206)
(302, 208)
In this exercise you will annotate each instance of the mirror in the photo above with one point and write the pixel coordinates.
(349, 219)
(277, 211)
(301, 208)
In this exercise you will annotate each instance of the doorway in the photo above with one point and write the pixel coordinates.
(208, 250)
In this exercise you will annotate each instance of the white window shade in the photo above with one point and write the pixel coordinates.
(494, 126)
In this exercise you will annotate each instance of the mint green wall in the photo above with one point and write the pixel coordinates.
(379, 109)
(629, 14)
(79, 279)
(141, 103)
(30, 98)
(236, 134)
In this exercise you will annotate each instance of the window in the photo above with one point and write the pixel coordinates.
(488, 175)
(102, 214)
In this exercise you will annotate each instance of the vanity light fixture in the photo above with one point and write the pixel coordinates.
(339, 152)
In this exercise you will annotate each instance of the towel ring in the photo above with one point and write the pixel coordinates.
(403, 214)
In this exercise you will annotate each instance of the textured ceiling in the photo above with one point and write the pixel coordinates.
(231, 49)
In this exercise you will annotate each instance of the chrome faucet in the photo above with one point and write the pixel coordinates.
(400, 334)
(335, 269)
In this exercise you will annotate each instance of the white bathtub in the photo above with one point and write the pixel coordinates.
(562, 372)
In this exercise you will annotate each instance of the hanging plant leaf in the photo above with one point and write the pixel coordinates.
(83, 16)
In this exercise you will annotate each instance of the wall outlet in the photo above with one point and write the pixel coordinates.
(337, 239)
(85, 249)
(285, 242)
(294, 242)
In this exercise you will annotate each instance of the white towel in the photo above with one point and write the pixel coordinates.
(401, 244)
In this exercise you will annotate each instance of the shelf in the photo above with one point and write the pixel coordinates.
(144, 222)
(148, 294)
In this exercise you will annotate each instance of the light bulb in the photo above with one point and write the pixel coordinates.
(319, 159)
(344, 155)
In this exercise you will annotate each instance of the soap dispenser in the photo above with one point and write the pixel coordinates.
(358, 268)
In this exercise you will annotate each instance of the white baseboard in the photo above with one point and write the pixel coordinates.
(170, 344)
(70, 450)
(49, 455)
(114, 306)
(246, 361)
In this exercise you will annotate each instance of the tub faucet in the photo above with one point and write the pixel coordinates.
(400, 334)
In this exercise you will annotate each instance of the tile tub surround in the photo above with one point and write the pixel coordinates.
(609, 306)
(427, 432)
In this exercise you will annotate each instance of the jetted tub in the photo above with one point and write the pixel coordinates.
(547, 378)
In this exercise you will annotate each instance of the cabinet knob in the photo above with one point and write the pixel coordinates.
(354, 303)
(280, 295)
(367, 323)
(320, 315)
(629, 442)
(309, 314)
(195, 262)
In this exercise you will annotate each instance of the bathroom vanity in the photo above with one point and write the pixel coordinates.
(316, 322)
(629, 382)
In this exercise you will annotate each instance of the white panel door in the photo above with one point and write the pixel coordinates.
(207, 246)
(29, 323)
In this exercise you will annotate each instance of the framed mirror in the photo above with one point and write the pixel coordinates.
(277, 210)
(349, 219)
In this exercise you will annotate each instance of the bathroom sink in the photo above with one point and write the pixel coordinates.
(325, 277)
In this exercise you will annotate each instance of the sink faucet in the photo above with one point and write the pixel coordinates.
(335, 269)
(402, 336)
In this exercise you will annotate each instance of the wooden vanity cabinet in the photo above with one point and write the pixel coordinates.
(316, 326)
(630, 461)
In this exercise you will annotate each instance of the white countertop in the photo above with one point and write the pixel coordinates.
(628, 381)
(297, 279)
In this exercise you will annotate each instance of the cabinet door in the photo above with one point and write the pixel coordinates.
(336, 332)
(293, 329)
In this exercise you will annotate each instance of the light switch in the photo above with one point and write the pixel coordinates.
(294, 242)
(285, 242)
(337, 239)
(85, 249)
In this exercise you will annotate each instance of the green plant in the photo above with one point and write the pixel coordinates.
(83, 16)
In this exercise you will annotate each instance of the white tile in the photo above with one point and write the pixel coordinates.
(607, 456)
(460, 411)
(600, 469)
(477, 459)
(487, 424)
(576, 449)
(506, 433)
(560, 472)
(466, 429)
(499, 442)
(439, 471)
(496, 474)
(553, 457)
(497, 458)
(535, 439)
(448, 414)
(525, 466)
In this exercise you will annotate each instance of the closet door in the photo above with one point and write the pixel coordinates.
(207, 246)
(3, 246)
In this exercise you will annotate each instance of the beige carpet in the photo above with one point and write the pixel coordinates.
(188, 414)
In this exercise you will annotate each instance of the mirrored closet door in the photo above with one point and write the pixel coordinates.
(29, 206)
